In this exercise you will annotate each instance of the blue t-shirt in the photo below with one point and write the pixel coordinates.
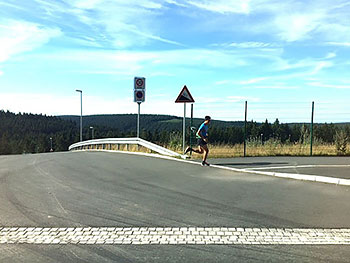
(203, 130)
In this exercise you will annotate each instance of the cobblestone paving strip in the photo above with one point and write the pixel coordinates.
(174, 235)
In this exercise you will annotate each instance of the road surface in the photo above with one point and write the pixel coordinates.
(103, 192)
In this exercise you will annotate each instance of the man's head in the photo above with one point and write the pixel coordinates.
(207, 119)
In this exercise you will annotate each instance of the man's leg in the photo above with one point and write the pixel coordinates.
(206, 151)
(200, 150)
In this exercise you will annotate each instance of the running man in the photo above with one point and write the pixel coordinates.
(202, 136)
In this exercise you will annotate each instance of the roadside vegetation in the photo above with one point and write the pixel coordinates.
(273, 148)
(31, 133)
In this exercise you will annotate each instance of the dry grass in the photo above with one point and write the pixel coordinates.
(121, 147)
(226, 151)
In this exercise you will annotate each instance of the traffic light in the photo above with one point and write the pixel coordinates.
(139, 95)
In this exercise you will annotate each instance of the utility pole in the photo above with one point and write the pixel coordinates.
(51, 150)
(92, 131)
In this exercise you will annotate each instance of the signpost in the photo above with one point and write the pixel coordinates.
(139, 97)
(184, 97)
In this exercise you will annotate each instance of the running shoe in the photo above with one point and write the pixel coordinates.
(205, 163)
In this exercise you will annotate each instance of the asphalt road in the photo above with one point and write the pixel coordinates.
(77, 189)
(324, 166)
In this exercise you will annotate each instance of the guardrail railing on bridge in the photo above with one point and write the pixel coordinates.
(107, 143)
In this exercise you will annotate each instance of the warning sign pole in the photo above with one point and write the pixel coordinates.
(184, 97)
(184, 130)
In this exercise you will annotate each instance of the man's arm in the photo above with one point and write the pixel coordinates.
(200, 134)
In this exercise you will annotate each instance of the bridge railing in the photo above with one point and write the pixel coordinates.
(108, 142)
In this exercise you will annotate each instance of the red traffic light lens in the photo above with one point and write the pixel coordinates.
(139, 94)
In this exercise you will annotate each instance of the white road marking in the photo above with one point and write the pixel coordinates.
(300, 166)
(174, 235)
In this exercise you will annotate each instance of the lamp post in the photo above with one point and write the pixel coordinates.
(92, 130)
(51, 150)
(81, 113)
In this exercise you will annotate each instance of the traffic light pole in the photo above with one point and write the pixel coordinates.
(138, 120)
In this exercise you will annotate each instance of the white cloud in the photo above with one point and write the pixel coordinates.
(274, 86)
(248, 44)
(19, 36)
(52, 104)
(124, 23)
(253, 81)
(331, 55)
(223, 6)
(287, 21)
(310, 66)
(251, 45)
(294, 27)
(129, 63)
(331, 86)
(85, 4)
(321, 65)
(341, 44)
(1, 73)
(172, 2)
(222, 82)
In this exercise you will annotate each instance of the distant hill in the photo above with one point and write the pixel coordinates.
(148, 122)
(31, 133)
(152, 122)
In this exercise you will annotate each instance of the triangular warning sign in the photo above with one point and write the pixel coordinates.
(184, 96)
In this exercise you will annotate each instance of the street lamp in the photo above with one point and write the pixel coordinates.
(51, 150)
(92, 128)
(262, 139)
(81, 113)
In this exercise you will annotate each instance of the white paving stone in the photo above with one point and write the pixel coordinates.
(172, 236)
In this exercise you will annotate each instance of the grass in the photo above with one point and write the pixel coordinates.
(268, 149)
(253, 149)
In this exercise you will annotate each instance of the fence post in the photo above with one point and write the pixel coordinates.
(245, 130)
(311, 128)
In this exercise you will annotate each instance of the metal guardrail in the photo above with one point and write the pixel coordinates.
(127, 141)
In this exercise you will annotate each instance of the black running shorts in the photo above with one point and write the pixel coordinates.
(201, 142)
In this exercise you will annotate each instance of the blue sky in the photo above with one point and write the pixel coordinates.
(278, 55)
